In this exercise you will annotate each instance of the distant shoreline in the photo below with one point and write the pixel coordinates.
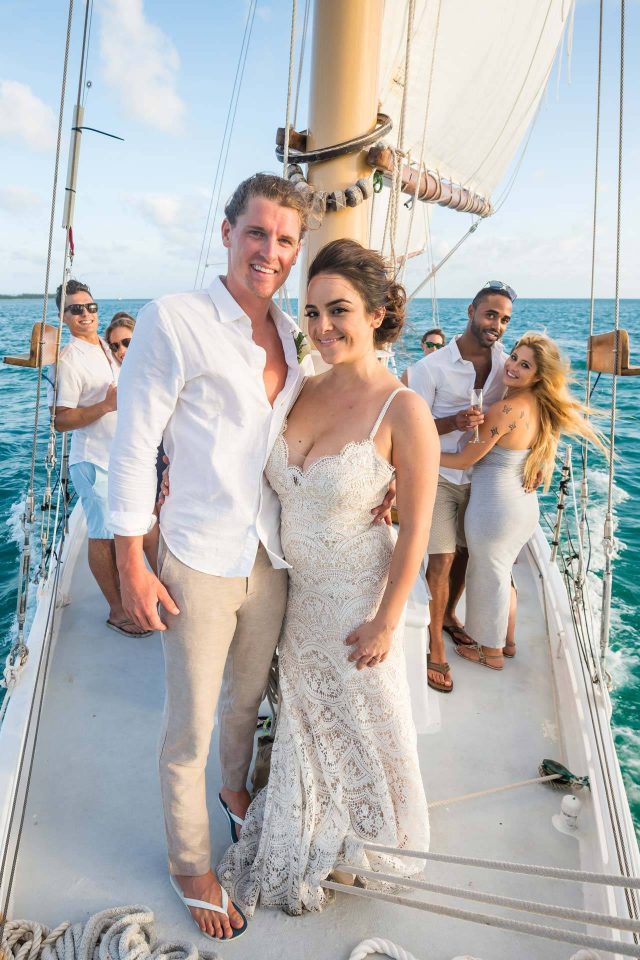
(38, 296)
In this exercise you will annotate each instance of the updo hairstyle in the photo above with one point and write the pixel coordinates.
(369, 273)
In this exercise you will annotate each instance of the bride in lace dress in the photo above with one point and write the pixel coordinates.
(344, 766)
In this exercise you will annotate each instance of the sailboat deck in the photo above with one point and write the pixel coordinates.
(93, 833)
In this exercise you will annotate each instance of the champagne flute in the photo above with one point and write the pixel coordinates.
(476, 405)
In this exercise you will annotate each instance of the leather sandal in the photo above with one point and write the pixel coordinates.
(458, 634)
(442, 668)
(483, 658)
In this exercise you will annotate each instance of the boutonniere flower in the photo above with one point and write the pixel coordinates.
(302, 345)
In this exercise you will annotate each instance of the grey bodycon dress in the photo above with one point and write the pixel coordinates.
(500, 518)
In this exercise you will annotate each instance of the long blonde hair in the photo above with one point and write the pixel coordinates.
(558, 410)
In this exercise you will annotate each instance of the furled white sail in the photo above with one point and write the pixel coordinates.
(481, 67)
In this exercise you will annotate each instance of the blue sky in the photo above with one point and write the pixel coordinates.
(162, 75)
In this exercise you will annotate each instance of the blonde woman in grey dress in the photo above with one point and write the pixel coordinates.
(518, 442)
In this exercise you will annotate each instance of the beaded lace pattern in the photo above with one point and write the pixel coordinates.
(344, 767)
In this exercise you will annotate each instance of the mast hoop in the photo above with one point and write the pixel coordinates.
(383, 126)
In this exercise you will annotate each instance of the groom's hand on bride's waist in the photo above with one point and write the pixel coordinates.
(382, 513)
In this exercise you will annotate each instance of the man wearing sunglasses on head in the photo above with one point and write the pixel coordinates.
(445, 378)
(85, 404)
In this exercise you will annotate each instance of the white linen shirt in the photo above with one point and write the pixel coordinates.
(193, 377)
(445, 381)
(85, 370)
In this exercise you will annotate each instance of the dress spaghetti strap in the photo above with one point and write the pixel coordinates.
(386, 406)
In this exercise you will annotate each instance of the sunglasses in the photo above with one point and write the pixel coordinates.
(430, 344)
(499, 285)
(76, 309)
(116, 344)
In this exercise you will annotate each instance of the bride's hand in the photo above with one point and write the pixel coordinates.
(371, 643)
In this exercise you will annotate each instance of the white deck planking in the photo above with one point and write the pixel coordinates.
(93, 835)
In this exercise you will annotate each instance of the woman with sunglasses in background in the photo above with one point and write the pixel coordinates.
(118, 336)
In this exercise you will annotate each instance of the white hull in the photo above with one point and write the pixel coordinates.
(93, 831)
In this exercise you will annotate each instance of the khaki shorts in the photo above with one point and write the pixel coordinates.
(447, 525)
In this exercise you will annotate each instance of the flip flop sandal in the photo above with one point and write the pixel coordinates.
(509, 646)
(120, 628)
(455, 633)
(203, 905)
(233, 818)
(442, 668)
(483, 658)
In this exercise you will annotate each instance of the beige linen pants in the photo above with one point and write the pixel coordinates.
(232, 621)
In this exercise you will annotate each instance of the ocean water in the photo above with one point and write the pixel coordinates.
(565, 320)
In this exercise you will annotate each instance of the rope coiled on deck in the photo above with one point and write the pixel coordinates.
(120, 933)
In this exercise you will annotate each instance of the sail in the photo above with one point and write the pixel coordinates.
(478, 71)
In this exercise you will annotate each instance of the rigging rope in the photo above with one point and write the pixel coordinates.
(584, 493)
(292, 52)
(303, 47)
(19, 651)
(608, 538)
(490, 920)
(512, 903)
(226, 136)
(474, 226)
(422, 143)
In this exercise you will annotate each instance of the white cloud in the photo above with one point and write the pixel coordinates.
(23, 116)
(179, 218)
(19, 199)
(141, 63)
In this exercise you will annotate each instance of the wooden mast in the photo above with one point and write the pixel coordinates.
(343, 104)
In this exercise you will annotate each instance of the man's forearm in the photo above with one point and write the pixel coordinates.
(72, 418)
(129, 553)
(445, 425)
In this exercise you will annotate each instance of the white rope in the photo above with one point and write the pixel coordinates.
(378, 945)
(292, 51)
(529, 869)
(488, 919)
(121, 933)
(512, 903)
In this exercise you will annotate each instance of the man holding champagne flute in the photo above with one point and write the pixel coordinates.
(458, 382)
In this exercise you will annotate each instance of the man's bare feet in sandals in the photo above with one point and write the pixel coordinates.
(457, 633)
(207, 888)
(491, 657)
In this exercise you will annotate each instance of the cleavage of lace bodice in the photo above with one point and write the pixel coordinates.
(327, 506)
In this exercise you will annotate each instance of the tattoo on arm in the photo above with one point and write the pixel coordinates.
(494, 431)
(506, 408)
(512, 426)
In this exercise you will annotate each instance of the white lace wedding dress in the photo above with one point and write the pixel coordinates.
(344, 767)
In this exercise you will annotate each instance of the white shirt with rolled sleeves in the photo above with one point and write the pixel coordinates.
(85, 371)
(445, 380)
(193, 378)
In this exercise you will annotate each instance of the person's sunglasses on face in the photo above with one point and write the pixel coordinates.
(115, 345)
(77, 309)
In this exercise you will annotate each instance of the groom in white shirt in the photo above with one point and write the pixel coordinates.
(211, 373)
